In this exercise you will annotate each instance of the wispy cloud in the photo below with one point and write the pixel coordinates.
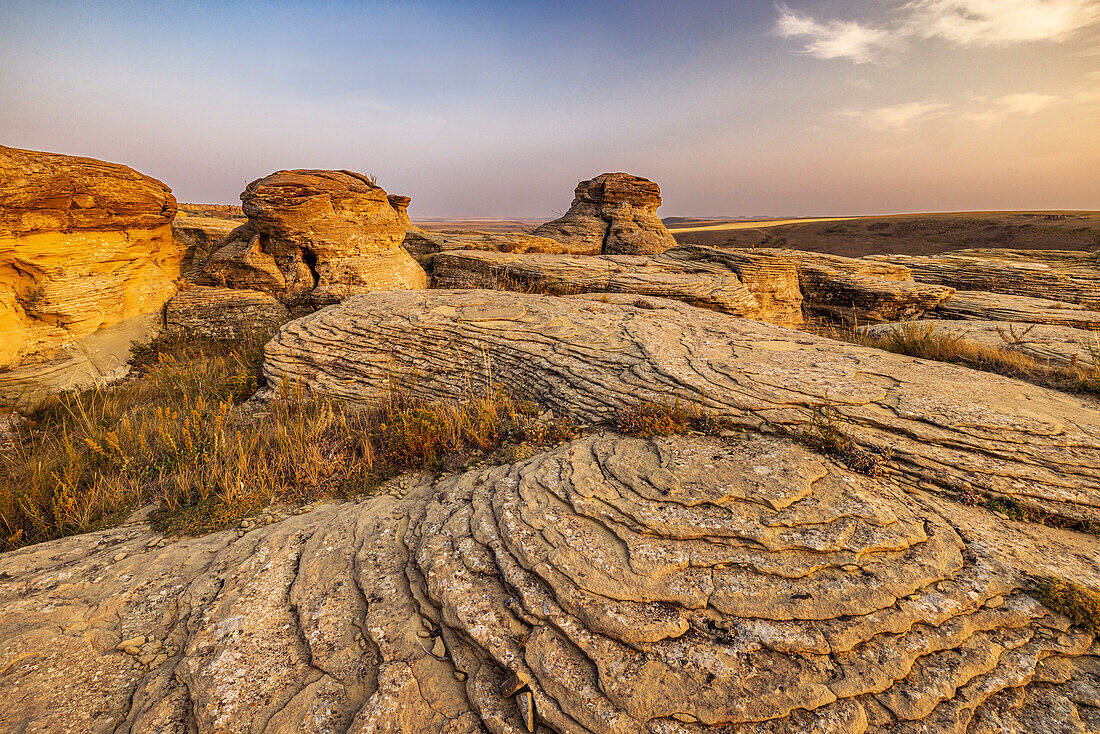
(835, 39)
(1000, 22)
(1013, 105)
(960, 22)
(899, 116)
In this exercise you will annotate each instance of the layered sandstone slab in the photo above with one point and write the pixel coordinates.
(945, 425)
(1062, 275)
(1063, 346)
(860, 291)
(85, 249)
(634, 274)
(612, 214)
(986, 306)
(315, 237)
(223, 313)
(683, 585)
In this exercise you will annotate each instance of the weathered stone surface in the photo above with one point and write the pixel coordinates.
(946, 425)
(198, 234)
(423, 245)
(609, 273)
(223, 313)
(612, 214)
(683, 584)
(1063, 275)
(986, 306)
(315, 237)
(860, 291)
(1058, 345)
(87, 260)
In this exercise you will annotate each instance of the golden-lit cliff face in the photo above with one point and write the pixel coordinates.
(87, 260)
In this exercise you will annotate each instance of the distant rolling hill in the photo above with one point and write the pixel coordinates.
(911, 234)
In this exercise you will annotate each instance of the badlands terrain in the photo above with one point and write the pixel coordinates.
(308, 466)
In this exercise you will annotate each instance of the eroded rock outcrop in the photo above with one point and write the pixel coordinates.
(1062, 275)
(945, 425)
(315, 237)
(87, 260)
(634, 274)
(223, 313)
(986, 306)
(682, 585)
(612, 214)
(198, 234)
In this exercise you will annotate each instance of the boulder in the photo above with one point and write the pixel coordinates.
(315, 237)
(612, 214)
(986, 306)
(1061, 275)
(680, 584)
(87, 260)
(1063, 346)
(223, 313)
(941, 424)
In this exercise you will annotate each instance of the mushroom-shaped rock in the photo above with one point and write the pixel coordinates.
(612, 214)
(316, 237)
(87, 260)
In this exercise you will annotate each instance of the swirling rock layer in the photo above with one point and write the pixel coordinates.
(87, 260)
(589, 356)
(985, 306)
(681, 585)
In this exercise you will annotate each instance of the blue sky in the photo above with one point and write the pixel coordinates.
(499, 108)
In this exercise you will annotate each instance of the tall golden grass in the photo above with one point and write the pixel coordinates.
(177, 435)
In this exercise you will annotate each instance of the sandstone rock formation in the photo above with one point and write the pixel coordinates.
(609, 273)
(87, 260)
(315, 237)
(198, 234)
(612, 214)
(985, 306)
(769, 285)
(423, 245)
(684, 585)
(1062, 275)
(223, 313)
(947, 426)
(1058, 345)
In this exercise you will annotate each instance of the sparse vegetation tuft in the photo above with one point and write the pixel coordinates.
(648, 419)
(1079, 603)
(825, 433)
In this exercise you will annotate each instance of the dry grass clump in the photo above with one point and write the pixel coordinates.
(825, 433)
(922, 339)
(648, 419)
(502, 281)
(174, 434)
(1079, 603)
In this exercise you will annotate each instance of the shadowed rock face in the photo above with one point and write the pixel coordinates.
(612, 214)
(948, 426)
(315, 237)
(985, 306)
(223, 313)
(87, 260)
(684, 585)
